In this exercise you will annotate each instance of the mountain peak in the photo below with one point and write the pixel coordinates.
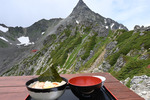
(83, 14)
(80, 8)
(81, 4)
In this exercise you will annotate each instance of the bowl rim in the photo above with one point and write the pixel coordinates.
(101, 77)
(85, 85)
(47, 89)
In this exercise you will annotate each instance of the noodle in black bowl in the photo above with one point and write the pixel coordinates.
(52, 93)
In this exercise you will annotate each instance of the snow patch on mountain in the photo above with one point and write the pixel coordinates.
(112, 25)
(24, 41)
(106, 27)
(77, 21)
(105, 21)
(43, 33)
(4, 39)
(4, 29)
(120, 27)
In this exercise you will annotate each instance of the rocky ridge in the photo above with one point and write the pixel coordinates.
(13, 51)
(112, 48)
(140, 85)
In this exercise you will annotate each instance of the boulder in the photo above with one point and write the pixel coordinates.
(134, 53)
(141, 86)
(136, 27)
(141, 29)
(119, 64)
(110, 49)
(141, 34)
(77, 66)
(111, 45)
(144, 57)
(105, 66)
(96, 70)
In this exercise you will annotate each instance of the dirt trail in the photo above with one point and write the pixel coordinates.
(97, 61)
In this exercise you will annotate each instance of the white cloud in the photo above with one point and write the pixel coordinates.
(26, 12)
(127, 12)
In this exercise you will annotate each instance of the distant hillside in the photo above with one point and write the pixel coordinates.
(16, 43)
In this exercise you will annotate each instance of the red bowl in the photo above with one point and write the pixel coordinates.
(85, 86)
(85, 81)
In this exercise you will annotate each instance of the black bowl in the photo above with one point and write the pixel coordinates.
(85, 87)
(46, 94)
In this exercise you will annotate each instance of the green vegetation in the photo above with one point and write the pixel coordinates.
(125, 35)
(10, 37)
(87, 29)
(132, 42)
(72, 58)
(50, 39)
(88, 46)
(134, 66)
(3, 44)
(60, 54)
(73, 46)
(100, 45)
(128, 83)
(67, 32)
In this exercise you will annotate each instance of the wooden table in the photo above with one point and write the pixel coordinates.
(13, 87)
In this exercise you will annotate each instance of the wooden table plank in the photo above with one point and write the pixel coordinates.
(127, 95)
(14, 80)
(13, 96)
(13, 87)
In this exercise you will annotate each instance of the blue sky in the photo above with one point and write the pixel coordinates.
(25, 12)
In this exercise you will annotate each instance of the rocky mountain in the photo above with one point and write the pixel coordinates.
(47, 36)
(83, 42)
(16, 43)
(12, 35)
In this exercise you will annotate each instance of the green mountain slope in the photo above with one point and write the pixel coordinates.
(65, 51)
(134, 49)
(78, 52)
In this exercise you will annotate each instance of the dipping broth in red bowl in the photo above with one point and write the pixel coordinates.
(85, 87)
